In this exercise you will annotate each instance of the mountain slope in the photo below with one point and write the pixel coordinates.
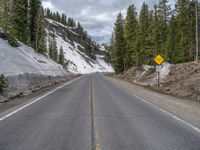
(82, 59)
(24, 59)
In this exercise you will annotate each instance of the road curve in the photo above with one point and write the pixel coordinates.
(93, 113)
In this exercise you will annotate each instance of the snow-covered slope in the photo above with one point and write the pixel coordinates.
(80, 60)
(14, 61)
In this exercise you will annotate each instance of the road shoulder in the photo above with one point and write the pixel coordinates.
(183, 109)
(26, 98)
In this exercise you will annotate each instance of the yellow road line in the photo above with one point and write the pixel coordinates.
(94, 120)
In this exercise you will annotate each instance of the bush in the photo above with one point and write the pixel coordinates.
(66, 64)
(2, 83)
(12, 41)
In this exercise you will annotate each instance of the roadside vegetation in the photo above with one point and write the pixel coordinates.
(166, 30)
(24, 21)
(2, 83)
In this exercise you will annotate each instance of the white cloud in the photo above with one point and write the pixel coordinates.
(97, 16)
(48, 4)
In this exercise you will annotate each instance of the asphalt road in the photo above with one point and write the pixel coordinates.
(93, 113)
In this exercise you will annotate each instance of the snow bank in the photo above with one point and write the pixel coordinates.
(80, 62)
(165, 70)
(24, 59)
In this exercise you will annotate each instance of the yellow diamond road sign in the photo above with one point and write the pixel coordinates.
(159, 59)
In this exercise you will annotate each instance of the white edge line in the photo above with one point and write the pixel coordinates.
(168, 113)
(34, 101)
(163, 110)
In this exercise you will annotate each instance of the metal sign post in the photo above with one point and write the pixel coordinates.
(158, 67)
(159, 60)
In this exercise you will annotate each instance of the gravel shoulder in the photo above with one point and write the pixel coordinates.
(185, 109)
(25, 98)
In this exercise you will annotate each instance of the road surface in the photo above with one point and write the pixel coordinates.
(93, 113)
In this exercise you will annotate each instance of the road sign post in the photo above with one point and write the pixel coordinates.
(159, 60)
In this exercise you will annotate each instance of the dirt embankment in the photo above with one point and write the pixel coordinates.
(181, 80)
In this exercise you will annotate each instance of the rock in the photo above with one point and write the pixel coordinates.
(3, 99)
(167, 89)
(198, 98)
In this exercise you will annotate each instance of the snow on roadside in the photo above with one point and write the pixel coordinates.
(165, 70)
(24, 59)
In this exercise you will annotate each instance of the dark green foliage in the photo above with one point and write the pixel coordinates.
(50, 48)
(23, 20)
(64, 19)
(170, 33)
(143, 34)
(2, 83)
(12, 40)
(40, 46)
(66, 64)
(80, 29)
(54, 49)
(131, 36)
(172, 40)
(20, 20)
(164, 11)
(61, 56)
(71, 22)
(34, 8)
(119, 52)
(5, 15)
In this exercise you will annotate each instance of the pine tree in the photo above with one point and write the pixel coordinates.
(156, 35)
(191, 30)
(61, 56)
(5, 8)
(183, 29)
(151, 39)
(50, 48)
(19, 20)
(164, 13)
(120, 45)
(54, 48)
(48, 12)
(172, 40)
(143, 34)
(112, 49)
(40, 46)
(130, 36)
(35, 6)
(80, 29)
(64, 19)
(71, 22)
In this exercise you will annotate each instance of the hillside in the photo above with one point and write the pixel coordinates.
(24, 59)
(82, 59)
(182, 80)
(26, 70)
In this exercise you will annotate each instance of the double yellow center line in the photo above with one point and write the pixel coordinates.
(95, 131)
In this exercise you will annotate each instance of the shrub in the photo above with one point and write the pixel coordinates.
(2, 83)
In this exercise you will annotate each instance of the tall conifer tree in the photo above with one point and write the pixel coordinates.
(120, 44)
(130, 36)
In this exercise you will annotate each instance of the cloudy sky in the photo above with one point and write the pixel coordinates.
(97, 16)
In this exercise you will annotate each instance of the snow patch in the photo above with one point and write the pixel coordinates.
(24, 59)
(80, 62)
(165, 70)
